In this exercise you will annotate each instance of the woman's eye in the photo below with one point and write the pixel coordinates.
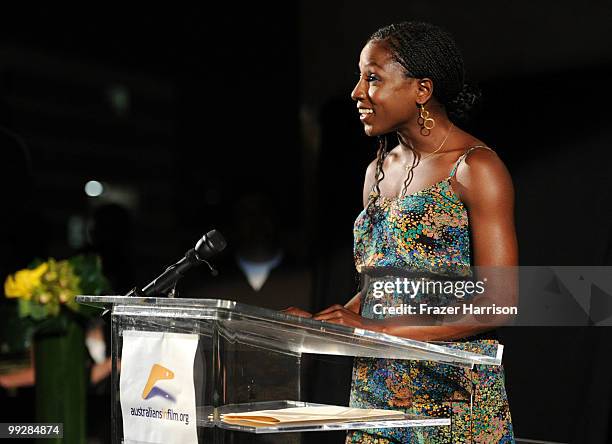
(369, 78)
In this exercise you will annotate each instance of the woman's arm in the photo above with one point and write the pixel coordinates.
(483, 183)
(485, 187)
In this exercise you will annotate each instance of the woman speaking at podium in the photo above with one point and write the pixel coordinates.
(438, 200)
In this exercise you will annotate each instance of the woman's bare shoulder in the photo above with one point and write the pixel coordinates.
(481, 174)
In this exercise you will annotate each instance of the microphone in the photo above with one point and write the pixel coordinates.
(211, 244)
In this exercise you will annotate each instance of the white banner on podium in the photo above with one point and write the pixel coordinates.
(156, 387)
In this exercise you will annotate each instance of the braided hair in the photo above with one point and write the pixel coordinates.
(425, 50)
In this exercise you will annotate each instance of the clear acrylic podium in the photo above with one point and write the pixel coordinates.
(248, 358)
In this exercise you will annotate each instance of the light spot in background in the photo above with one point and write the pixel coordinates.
(93, 188)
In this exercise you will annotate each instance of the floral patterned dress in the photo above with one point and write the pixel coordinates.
(425, 231)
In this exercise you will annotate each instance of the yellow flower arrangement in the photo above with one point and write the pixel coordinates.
(42, 291)
(24, 282)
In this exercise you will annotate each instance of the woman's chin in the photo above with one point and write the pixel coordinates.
(371, 131)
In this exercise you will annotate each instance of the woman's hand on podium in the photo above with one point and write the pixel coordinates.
(297, 312)
(339, 314)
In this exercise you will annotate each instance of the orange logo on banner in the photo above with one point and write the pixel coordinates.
(157, 373)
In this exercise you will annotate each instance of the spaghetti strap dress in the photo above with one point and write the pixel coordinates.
(425, 231)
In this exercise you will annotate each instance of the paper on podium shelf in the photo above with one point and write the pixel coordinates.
(306, 415)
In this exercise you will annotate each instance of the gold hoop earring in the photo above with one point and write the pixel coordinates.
(427, 123)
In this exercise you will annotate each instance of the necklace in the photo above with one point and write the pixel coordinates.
(409, 167)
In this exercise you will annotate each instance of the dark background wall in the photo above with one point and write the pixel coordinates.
(179, 112)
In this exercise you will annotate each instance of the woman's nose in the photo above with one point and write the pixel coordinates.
(358, 92)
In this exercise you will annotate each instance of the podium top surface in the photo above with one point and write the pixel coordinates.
(282, 332)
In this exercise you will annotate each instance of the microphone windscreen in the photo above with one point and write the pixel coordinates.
(210, 244)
